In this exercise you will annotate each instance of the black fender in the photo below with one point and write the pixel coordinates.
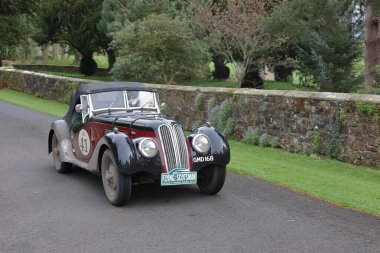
(122, 147)
(129, 159)
(219, 153)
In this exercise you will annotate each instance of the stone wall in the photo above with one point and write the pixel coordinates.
(346, 125)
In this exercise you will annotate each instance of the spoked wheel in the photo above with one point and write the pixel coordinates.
(211, 179)
(117, 186)
(60, 166)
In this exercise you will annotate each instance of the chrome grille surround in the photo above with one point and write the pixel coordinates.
(174, 146)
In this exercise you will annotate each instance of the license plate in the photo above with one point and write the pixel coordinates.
(178, 177)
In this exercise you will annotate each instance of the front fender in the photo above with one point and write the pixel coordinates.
(123, 150)
(129, 159)
(219, 153)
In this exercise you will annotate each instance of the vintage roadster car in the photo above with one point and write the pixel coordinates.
(123, 136)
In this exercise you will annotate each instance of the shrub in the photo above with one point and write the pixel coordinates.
(317, 142)
(265, 140)
(275, 142)
(199, 102)
(159, 49)
(252, 136)
(221, 118)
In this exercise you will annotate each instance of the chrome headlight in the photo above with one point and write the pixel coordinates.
(148, 148)
(201, 143)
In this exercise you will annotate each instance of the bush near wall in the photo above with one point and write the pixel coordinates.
(342, 126)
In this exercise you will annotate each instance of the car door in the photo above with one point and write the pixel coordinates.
(83, 143)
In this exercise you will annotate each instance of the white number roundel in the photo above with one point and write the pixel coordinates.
(84, 142)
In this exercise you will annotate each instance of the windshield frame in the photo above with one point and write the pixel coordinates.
(152, 109)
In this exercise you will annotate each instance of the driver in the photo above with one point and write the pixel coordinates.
(76, 120)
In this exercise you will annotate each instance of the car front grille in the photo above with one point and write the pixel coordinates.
(174, 145)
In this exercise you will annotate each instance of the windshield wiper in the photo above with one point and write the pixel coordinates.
(109, 108)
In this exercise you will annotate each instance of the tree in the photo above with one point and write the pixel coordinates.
(372, 43)
(159, 49)
(15, 18)
(323, 38)
(73, 22)
(234, 29)
(116, 13)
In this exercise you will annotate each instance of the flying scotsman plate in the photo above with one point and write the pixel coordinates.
(178, 177)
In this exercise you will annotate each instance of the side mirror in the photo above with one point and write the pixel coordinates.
(79, 108)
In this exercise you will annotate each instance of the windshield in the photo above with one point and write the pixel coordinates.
(141, 99)
(105, 100)
(122, 100)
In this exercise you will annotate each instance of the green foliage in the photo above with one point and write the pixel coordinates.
(252, 136)
(275, 142)
(159, 49)
(343, 117)
(294, 148)
(15, 24)
(374, 91)
(371, 110)
(335, 144)
(323, 40)
(316, 142)
(228, 130)
(72, 22)
(335, 140)
(265, 140)
(221, 118)
(199, 99)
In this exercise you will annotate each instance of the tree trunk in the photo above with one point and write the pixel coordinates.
(111, 58)
(372, 49)
(88, 66)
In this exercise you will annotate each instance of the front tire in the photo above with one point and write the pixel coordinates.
(117, 186)
(60, 166)
(211, 179)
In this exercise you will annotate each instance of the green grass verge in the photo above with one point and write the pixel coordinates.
(344, 184)
(34, 103)
(350, 186)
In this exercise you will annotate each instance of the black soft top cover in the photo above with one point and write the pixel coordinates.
(90, 88)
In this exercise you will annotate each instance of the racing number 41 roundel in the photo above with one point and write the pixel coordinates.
(84, 142)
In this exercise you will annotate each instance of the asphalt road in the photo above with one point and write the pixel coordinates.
(43, 211)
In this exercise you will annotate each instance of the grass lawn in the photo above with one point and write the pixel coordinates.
(344, 184)
(341, 183)
(101, 60)
(34, 103)
(80, 76)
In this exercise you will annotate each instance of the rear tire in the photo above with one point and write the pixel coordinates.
(211, 179)
(60, 166)
(117, 186)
